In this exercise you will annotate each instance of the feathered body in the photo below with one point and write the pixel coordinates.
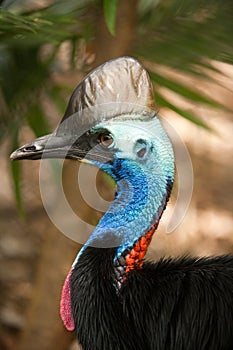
(174, 304)
(112, 297)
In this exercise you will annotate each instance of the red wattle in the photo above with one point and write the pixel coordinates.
(65, 304)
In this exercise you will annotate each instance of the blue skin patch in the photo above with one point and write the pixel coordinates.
(142, 168)
(130, 202)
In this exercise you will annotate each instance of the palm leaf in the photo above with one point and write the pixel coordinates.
(185, 36)
(110, 9)
(184, 90)
(184, 113)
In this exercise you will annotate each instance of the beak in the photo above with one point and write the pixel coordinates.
(64, 146)
(49, 146)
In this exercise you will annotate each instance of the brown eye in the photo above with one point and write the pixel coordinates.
(106, 140)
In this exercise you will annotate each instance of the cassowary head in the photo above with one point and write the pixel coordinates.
(110, 121)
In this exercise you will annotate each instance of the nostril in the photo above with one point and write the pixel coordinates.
(29, 148)
(141, 152)
(32, 148)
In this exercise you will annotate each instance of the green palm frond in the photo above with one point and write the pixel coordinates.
(110, 8)
(186, 36)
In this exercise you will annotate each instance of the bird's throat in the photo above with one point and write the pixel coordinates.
(133, 217)
(132, 258)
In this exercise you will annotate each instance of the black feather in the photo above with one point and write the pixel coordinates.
(173, 304)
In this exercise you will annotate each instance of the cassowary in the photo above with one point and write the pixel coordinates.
(112, 297)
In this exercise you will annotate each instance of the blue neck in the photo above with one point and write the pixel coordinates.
(139, 200)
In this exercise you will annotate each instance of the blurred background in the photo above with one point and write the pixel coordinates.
(46, 47)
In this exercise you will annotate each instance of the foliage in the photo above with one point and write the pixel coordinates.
(183, 35)
(110, 8)
(186, 36)
(26, 64)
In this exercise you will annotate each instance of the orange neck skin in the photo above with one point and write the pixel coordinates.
(134, 260)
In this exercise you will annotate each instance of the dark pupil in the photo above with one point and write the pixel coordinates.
(106, 138)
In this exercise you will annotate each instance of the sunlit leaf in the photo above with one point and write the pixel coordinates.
(110, 9)
(184, 90)
(162, 102)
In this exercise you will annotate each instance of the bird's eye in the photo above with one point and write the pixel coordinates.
(106, 140)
